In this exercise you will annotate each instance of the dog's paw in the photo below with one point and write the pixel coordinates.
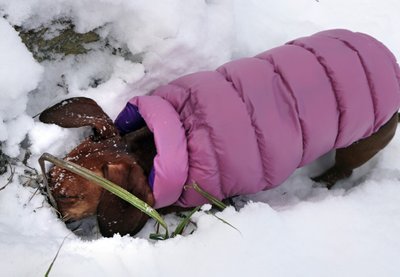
(331, 176)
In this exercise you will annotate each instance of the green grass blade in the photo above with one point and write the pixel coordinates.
(110, 186)
(208, 196)
(184, 222)
(55, 257)
(224, 221)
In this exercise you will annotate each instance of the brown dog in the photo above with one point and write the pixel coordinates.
(127, 162)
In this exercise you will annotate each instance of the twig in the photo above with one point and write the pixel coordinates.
(10, 178)
(3, 187)
(31, 168)
(30, 198)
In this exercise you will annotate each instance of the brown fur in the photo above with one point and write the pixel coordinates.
(127, 161)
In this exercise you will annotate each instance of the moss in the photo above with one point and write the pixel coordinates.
(59, 38)
(45, 45)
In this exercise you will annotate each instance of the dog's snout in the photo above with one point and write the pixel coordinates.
(84, 228)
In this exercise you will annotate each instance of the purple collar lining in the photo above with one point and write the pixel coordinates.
(130, 120)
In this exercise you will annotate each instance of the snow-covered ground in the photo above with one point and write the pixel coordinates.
(298, 229)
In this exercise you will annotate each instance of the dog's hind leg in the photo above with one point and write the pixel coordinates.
(358, 153)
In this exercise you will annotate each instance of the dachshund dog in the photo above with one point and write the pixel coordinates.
(335, 90)
(127, 160)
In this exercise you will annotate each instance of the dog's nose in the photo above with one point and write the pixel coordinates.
(85, 228)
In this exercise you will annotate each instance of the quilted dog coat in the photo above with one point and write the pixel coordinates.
(248, 125)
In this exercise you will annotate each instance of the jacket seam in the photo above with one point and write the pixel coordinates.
(389, 55)
(291, 92)
(240, 95)
(327, 71)
(372, 90)
(203, 124)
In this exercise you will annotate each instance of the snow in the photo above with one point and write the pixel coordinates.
(16, 61)
(297, 229)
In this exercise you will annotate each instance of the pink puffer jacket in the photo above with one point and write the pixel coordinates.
(248, 125)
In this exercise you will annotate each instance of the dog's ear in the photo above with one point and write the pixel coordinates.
(78, 112)
(141, 142)
(115, 215)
